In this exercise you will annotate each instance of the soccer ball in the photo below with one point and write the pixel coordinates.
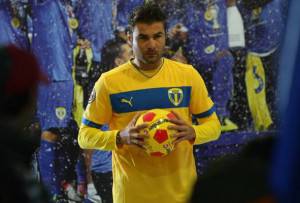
(159, 143)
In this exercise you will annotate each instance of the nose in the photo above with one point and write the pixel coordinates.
(151, 43)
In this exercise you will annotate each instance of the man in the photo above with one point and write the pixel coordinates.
(149, 81)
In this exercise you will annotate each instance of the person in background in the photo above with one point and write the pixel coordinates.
(264, 23)
(20, 76)
(204, 44)
(285, 177)
(122, 12)
(239, 178)
(52, 44)
(13, 15)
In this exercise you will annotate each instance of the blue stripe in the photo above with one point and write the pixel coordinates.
(147, 99)
(91, 123)
(206, 113)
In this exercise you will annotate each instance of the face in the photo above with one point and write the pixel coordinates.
(148, 42)
(125, 54)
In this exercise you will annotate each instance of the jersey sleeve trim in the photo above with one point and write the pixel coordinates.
(91, 123)
(206, 113)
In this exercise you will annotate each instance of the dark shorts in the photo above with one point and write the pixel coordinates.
(103, 185)
(54, 106)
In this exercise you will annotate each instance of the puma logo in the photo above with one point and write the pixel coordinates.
(129, 102)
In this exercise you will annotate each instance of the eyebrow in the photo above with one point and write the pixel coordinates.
(158, 33)
(155, 34)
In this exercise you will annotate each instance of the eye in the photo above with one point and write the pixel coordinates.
(142, 37)
(157, 36)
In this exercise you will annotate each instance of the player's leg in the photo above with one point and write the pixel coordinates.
(73, 165)
(54, 113)
(239, 109)
(103, 185)
(271, 64)
(48, 163)
(81, 175)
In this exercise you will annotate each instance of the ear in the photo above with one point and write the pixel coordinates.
(129, 39)
(118, 61)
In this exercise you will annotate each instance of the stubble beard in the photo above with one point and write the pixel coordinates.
(152, 60)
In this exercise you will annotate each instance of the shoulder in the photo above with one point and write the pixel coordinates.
(119, 70)
(118, 73)
(182, 68)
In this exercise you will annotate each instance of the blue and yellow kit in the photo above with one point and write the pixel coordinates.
(121, 93)
(52, 45)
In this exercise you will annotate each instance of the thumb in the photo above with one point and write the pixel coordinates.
(133, 121)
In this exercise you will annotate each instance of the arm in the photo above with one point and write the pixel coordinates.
(94, 138)
(203, 110)
(208, 130)
(97, 113)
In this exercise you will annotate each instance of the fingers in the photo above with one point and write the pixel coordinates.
(133, 121)
(178, 120)
(140, 127)
(176, 115)
(139, 136)
(138, 143)
(179, 140)
(179, 135)
(178, 127)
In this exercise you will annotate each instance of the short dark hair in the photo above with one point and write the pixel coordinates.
(110, 51)
(148, 13)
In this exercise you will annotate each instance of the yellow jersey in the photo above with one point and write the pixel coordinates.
(124, 91)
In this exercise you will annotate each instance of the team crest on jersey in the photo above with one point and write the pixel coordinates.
(175, 96)
(92, 96)
(15, 22)
(60, 112)
(210, 49)
(73, 23)
(256, 14)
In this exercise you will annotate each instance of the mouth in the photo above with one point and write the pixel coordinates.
(151, 54)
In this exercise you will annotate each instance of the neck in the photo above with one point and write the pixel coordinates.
(147, 66)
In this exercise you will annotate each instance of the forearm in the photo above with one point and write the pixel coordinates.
(93, 138)
(88, 160)
(208, 130)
